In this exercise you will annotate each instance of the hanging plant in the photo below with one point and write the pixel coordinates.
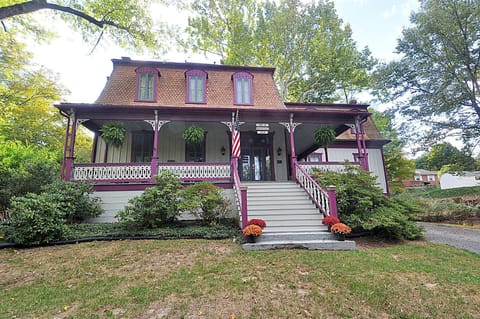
(113, 133)
(193, 135)
(324, 136)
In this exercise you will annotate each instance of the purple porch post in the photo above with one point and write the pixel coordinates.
(71, 150)
(65, 146)
(293, 155)
(332, 200)
(364, 148)
(359, 144)
(155, 149)
(243, 190)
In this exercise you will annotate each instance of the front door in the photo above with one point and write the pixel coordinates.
(256, 157)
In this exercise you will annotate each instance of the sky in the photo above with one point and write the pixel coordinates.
(375, 23)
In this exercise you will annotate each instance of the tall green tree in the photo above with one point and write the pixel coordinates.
(441, 155)
(127, 22)
(398, 166)
(436, 81)
(315, 57)
(27, 95)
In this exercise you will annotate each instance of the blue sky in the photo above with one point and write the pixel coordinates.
(375, 23)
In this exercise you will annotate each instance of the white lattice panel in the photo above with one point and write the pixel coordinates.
(199, 171)
(326, 168)
(114, 173)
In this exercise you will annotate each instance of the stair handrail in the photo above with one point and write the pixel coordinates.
(240, 192)
(325, 201)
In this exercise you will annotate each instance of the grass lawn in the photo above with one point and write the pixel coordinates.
(216, 279)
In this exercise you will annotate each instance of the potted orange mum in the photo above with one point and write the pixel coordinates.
(341, 230)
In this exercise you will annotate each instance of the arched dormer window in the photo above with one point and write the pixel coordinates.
(242, 88)
(196, 86)
(147, 79)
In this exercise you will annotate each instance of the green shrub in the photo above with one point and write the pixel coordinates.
(156, 206)
(34, 220)
(24, 169)
(204, 200)
(113, 133)
(362, 205)
(74, 200)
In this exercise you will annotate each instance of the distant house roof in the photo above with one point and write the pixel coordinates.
(425, 172)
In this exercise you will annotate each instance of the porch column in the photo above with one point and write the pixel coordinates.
(290, 126)
(70, 145)
(156, 125)
(364, 147)
(358, 132)
(65, 150)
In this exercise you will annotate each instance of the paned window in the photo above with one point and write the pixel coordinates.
(146, 84)
(242, 82)
(196, 86)
(431, 178)
(195, 152)
(418, 178)
(142, 146)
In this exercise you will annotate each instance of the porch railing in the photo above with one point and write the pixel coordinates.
(325, 201)
(338, 167)
(198, 171)
(112, 172)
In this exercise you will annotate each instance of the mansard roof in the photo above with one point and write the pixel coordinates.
(120, 88)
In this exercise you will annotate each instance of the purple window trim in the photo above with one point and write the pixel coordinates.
(242, 75)
(198, 73)
(146, 70)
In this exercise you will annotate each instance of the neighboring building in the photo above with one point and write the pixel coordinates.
(251, 135)
(460, 179)
(422, 178)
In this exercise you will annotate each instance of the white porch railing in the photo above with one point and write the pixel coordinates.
(112, 172)
(198, 171)
(326, 202)
(326, 167)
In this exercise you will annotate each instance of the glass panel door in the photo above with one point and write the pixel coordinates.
(255, 159)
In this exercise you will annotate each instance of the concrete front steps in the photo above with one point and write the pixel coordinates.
(293, 221)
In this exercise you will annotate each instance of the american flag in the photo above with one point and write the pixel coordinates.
(236, 138)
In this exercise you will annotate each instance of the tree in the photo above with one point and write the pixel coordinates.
(444, 154)
(27, 93)
(397, 165)
(437, 79)
(314, 54)
(127, 22)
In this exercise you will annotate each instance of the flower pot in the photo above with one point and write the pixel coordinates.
(250, 238)
(340, 237)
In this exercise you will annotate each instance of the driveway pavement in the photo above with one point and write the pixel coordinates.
(463, 238)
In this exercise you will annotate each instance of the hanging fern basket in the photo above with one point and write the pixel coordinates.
(193, 135)
(113, 133)
(324, 136)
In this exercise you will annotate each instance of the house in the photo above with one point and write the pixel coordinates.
(422, 178)
(254, 144)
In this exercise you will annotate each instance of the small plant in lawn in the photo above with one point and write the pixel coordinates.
(258, 222)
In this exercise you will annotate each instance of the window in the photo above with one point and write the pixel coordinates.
(142, 146)
(242, 86)
(195, 152)
(418, 178)
(315, 157)
(431, 178)
(146, 84)
(356, 157)
(196, 86)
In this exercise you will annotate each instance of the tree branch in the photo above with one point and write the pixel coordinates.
(35, 5)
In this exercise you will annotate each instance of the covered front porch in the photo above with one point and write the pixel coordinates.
(243, 145)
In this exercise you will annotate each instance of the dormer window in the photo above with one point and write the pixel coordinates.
(242, 86)
(147, 79)
(196, 86)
